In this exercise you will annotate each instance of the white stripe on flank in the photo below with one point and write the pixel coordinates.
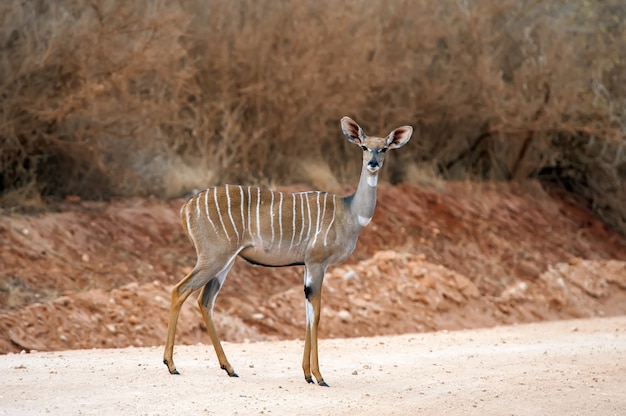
(332, 220)
(206, 207)
(280, 220)
(293, 220)
(258, 217)
(243, 221)
(302, 214)
(190, 232)
(272, 217)
(308, 207)
(198, 207)
(219, 213)
(323, 212)
(249, 214)
(230, 212)
(317, 223)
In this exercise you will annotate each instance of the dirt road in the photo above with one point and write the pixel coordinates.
(555, 368)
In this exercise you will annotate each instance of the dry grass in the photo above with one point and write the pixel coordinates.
(106, 97)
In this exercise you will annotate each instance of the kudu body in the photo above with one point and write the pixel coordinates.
(270, 228)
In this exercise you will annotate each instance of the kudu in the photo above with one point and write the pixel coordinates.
(270, 228)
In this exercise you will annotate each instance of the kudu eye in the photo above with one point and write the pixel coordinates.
(365, 149)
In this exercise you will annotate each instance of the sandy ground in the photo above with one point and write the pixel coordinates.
(556, 368)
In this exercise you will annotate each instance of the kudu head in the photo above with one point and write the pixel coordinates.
(373, 147)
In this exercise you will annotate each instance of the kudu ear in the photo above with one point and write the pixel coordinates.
(399, 137)
(352, 130)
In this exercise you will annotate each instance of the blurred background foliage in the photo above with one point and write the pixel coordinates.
(103, 98)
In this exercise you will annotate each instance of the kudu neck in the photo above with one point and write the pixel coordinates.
(363, 202)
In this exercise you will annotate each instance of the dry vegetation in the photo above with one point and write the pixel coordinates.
(109, 97)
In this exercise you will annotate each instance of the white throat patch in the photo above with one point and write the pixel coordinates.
(372, 180)
(363, 221)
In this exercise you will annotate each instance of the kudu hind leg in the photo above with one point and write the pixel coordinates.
(180, 293)
(206, 301)
(199, 276)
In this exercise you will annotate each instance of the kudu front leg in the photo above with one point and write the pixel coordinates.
(313, 300)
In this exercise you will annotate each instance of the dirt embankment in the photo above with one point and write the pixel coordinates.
(459, 256)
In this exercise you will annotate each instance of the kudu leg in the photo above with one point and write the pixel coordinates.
(192, 282)
(313, 299)
(206, 301)
(180, 293)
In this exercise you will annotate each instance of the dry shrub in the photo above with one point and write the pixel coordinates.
(105, 97)
(85, 88)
